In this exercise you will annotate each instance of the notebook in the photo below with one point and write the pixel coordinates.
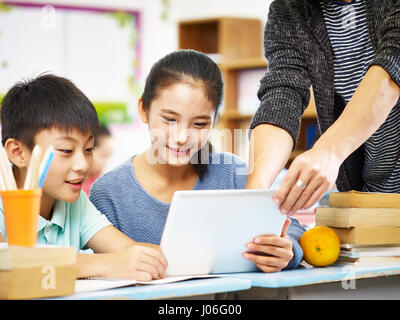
(207, 230)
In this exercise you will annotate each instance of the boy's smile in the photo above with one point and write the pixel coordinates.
(72, 161)
(75, 184)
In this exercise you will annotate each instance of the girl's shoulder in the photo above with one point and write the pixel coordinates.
(226, 159)
(225, 171)
(117, 175)
(226, 166)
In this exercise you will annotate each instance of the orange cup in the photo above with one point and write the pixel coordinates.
(21, 214)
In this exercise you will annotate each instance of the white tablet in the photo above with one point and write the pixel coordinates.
(207, 230)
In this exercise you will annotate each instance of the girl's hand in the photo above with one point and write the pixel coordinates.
(271, 253)
(138, 262)
(309, 177)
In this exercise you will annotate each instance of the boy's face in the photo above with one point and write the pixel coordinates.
(71, 163)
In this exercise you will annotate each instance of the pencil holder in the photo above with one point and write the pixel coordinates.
(21, 213)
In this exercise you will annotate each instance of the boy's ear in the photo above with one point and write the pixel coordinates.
(17, 152)
(142, 112)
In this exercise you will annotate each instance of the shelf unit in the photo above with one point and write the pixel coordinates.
(236, 46)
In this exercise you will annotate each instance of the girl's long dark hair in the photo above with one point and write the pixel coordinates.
(192, 67)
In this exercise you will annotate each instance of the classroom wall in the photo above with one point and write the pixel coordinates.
(159, 36)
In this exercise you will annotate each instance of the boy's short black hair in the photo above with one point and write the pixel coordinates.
(45, 102)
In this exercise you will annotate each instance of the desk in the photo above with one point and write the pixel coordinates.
(200, 288)
(334, 282)
(338, 281)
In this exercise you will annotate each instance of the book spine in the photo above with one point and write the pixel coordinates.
(331, 217)
(369, 235)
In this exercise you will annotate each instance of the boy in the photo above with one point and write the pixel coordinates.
(51, 110)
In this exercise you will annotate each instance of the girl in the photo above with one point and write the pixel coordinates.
(180, 104)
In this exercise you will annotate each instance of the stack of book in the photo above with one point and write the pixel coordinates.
(368, 225)
(38, 272)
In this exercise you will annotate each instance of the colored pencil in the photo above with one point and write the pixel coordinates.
(45, 165)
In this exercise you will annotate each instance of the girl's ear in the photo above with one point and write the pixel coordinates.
(142, 112)
(17, 152)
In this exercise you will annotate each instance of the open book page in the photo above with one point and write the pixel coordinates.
(96, 284)
(88, 285)
(179, 278)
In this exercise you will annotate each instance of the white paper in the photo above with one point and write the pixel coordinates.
(97, 284)
(178, 278)
(88, 285)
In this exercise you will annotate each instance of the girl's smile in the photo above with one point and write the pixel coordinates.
(179, 152)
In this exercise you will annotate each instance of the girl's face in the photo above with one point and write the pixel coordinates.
(180, 119)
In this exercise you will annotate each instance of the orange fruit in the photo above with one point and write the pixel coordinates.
(321, 246)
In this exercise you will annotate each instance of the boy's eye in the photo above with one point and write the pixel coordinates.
(67, 151)
(90, 150)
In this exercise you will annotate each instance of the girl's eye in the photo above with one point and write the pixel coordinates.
(90, 150)
(169, 119)
(201, 124)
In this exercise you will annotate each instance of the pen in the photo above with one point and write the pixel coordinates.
(45, 165)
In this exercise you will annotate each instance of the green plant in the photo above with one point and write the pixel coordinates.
(165, 9)
(4, 9)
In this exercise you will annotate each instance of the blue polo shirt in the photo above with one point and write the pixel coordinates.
(72, 224)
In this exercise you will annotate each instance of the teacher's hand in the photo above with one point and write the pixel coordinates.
(309, 177)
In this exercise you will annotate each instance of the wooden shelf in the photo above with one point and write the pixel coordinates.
(295, 153)
(232, 38)
(235, 115)
(241, 64)
(310, 112)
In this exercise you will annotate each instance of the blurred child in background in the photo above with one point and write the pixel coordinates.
(103, 150)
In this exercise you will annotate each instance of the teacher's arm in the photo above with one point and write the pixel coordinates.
(270, 149)
(318, 167)
(284, 94)
(366, 111)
